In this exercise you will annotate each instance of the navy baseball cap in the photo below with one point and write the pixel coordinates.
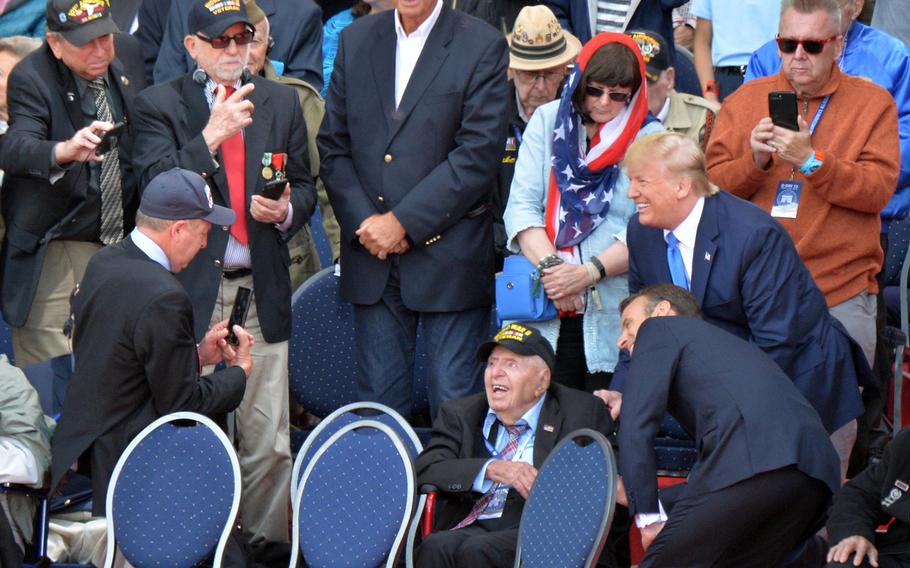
(523, 340)
(211, 17)
(80, 21)
(181, 194)
(654, 51)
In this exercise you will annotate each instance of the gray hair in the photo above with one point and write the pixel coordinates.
(152, 223)
(832, 7)
(20, 46)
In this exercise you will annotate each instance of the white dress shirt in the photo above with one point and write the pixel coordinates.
(408, 49)
(686, 233)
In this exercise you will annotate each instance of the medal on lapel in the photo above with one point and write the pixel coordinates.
(273, 165)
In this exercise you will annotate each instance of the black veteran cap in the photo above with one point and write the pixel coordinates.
(211, 17)
(654, 51)
(181, 194)
(523, 340)
(80, 21)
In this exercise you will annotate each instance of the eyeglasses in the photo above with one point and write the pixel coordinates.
(812, 46)
(531, 77)
(597, 92)
(222, 42)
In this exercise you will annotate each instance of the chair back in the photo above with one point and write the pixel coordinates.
(174, 494)
(322, 360)
(355, 499)
(570, 507)
(349, 414)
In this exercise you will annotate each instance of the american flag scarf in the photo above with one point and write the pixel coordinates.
(581, 186)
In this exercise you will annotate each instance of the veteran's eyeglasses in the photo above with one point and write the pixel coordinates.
(222, 42)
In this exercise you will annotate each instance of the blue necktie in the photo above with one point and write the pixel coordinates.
(674, 259)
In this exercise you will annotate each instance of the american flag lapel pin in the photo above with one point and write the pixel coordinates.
(547, 428)
(708, 257)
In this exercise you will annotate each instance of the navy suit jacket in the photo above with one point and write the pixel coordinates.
(750, 281)
(744, 414)
(431, 161)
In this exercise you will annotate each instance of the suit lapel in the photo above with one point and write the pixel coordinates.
(549, 425)
(383, 56)
(120, 80)
(434, 53)
(255, 138)
(69, 92)
(705, 249)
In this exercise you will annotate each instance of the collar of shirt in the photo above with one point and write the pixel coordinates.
(664, 111)
(150, 248)
(423, 30)
(530, 418)
(686, 233)
(210, 88)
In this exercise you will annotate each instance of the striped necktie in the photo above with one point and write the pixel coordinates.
(111, 189)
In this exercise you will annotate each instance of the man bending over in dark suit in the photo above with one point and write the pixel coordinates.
(486, 449)
(136, 355)
(765, 467)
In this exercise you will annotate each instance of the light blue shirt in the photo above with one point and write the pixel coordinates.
(150, 248)
(738, 27)
(525, 441)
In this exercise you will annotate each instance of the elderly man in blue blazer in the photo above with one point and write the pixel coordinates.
(415, 117)
(745, 273)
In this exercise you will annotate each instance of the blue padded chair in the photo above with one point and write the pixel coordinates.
(174, 494)
(674, 449)
(322, 362)
(320, 239)
(51, 379)
(355, 499)
(570, 507)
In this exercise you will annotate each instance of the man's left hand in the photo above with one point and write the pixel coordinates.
(273, 211)
(649, 533)
(794, 147)
(382, 234)
(214, 346)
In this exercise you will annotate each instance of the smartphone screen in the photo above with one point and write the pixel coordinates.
(782, 106)
(242, 302)
(109, 139)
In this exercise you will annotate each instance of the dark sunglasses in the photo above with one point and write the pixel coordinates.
(597, 92)
(221, 42)
(812, 46)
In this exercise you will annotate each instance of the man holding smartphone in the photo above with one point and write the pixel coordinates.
(239, 131)
(826, 182)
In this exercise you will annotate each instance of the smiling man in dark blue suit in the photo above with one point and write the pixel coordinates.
(744, 271)
(415, 117)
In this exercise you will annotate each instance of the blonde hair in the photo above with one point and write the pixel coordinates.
(677, 154)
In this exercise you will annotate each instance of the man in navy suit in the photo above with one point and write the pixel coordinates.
(765, 467)
(415, 117)
(745, 273)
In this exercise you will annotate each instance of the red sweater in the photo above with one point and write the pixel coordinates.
(837, 227)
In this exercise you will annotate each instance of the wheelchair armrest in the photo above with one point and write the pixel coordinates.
(26, 490)
(426, 525)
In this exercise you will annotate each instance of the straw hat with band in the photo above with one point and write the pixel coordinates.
(538, 41)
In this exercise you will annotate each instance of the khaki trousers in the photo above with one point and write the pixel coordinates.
(41, 338)
(263, 438)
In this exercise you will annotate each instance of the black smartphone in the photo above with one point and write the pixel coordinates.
(242, 302)
(110, 139)
(274, 188)
(782, 106)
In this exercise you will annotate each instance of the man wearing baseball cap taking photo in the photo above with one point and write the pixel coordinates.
(132, 325)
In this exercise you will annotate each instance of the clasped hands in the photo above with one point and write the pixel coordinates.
(767, 139)
(382, 234)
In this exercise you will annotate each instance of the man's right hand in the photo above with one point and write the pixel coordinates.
(841, 551)
(81, 147)
(229, 116)
(518, 475)
(242, 357)
(760, 142)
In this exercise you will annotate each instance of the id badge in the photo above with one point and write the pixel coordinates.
(786, 199)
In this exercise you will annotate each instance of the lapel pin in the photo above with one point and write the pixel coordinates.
(547, 428)
(708, 256)
(70, 97)
(124, 80)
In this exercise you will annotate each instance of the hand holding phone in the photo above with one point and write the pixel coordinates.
(110, 139)
(274, 189)
(782, 107)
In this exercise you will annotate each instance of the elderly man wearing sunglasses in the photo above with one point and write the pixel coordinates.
(239, 132)
(826, 182)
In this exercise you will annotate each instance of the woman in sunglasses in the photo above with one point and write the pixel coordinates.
(568, 209)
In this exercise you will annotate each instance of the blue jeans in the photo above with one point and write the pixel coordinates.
(386, 334)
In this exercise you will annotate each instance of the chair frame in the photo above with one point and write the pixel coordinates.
(392, 558)
(607, 518)
(898, 371)
(115, 477)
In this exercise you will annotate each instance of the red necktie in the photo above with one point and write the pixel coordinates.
(233, 155)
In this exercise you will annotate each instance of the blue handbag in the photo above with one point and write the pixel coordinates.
(519, 294)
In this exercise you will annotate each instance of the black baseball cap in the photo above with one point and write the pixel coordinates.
(80, 21)
(182, 194)
(523, 340)
(211, 17)
(654, 51)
